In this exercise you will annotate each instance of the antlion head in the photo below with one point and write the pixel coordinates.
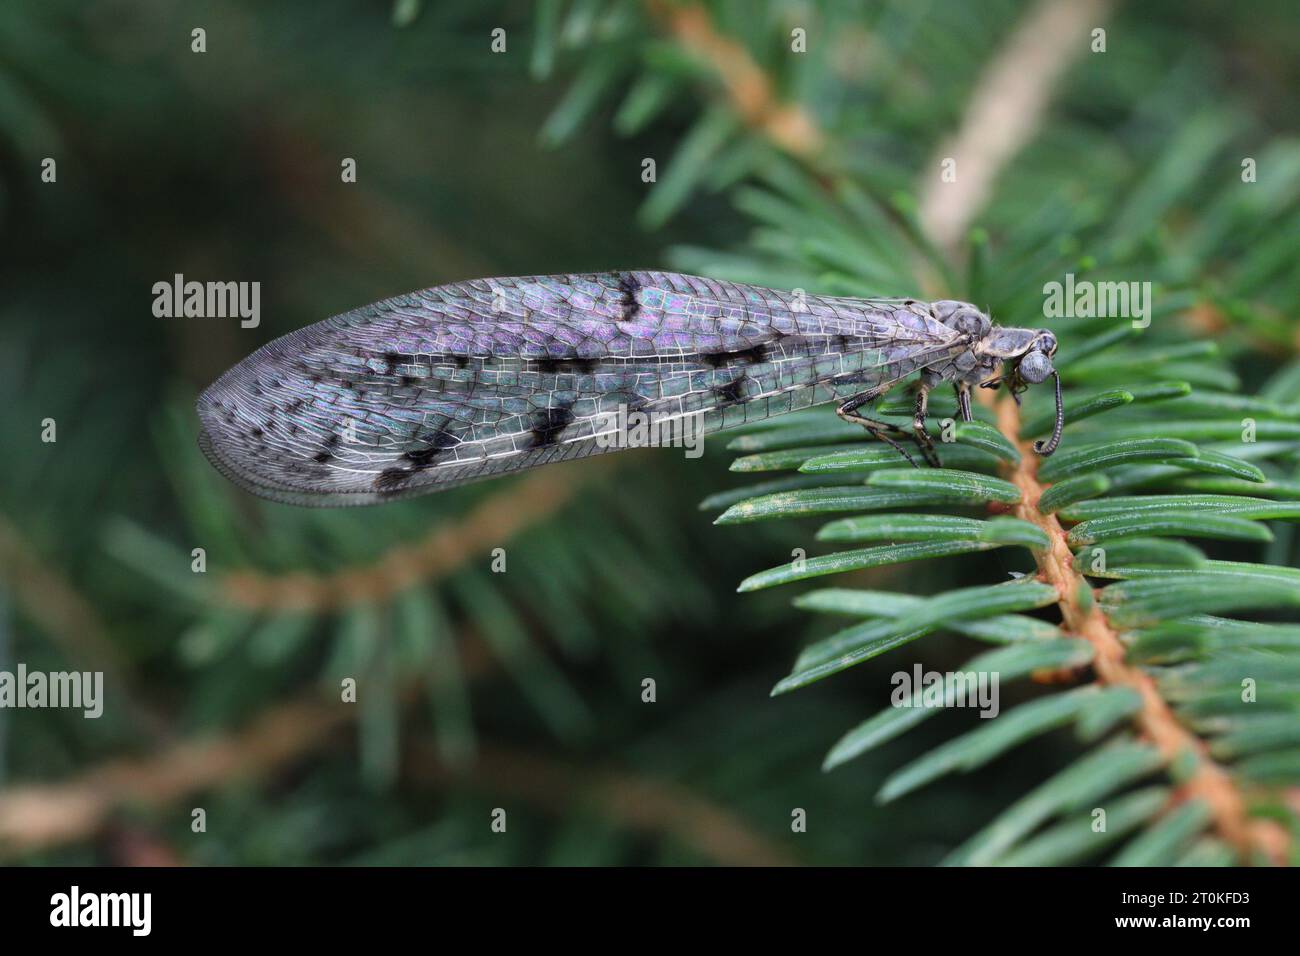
(1030, 353)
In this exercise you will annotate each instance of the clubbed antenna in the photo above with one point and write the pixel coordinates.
(1045, 448)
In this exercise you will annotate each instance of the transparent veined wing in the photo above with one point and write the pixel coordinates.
(470, 380)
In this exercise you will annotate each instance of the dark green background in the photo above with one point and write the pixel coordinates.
(225, 166)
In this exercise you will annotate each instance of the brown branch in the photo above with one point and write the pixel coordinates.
(1004, 112)
(1206, 320)
(1155, 720)
(747, 87)
(40, 816)
(749, 91)
(627, 799)
(440, 552)
(51, 601)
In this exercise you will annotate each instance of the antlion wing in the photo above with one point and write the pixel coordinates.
(470, 380)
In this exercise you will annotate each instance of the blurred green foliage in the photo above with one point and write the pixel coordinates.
(225, 165)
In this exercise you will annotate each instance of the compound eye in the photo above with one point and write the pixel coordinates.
(1035, 367)
(1047, 342)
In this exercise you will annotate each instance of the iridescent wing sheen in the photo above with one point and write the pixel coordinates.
(470, 380)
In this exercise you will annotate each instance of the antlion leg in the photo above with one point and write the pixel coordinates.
(923, 438)
(877, 429)
(963, 401)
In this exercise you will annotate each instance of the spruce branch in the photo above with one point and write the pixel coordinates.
(1208, 781)
(747, 87)
(1004, 112)
(444, 549)
(72, 622)
(43, 816)
(46, 594)
(40, 816)
(35, 817)
(630, 800)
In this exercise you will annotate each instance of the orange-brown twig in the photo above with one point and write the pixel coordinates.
(1004, 112)
(1155, 720)
(39, 815)
(622, 797)
(440, 552)
(36, 816)
(747, 87)
(50, 600)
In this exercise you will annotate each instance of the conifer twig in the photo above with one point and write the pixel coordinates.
(625, 798)
(49, 599)
(40, 816)
(1004, 112)
(748, 88)
(1208, 781)
(441, 551)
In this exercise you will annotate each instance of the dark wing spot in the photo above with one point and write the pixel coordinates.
(392, 479)
(422, 458)
(329, 445)
(628, 286)
(394, 359)
(749, 356)
(548, 424)
(578, 366)
(437, 443)
(732, 393)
